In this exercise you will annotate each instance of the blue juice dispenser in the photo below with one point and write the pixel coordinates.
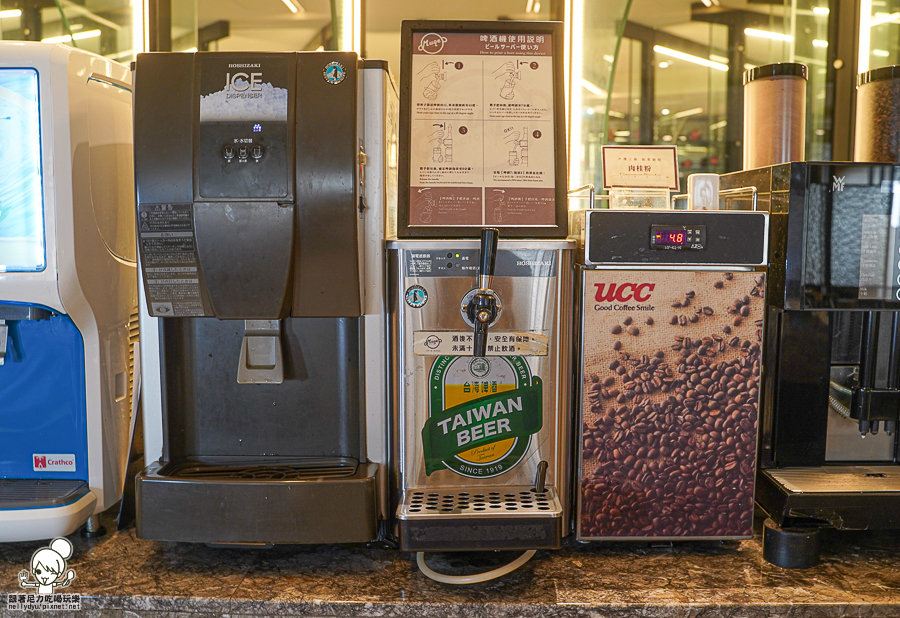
(68, 289)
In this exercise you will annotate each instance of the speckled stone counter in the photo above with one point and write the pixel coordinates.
(119, 575)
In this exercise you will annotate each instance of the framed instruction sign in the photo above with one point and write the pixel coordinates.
(482, 133)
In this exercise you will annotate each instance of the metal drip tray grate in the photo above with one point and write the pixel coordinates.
(263, 471)
(838, 479)
(520, 501)
(36, 493)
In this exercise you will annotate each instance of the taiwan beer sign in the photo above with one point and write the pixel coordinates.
(482, 414)
(482, 131)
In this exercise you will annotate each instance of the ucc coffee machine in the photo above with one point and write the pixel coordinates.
(831, 386)
(670, 309)
(261, 245)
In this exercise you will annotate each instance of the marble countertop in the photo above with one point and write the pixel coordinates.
(119, 575)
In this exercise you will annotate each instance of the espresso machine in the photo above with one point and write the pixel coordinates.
(831, 389)
(262, 180)
(68, 288)
(669, 323)
(479, 296)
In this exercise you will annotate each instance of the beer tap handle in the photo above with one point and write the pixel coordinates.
(482, 309)
(489, 238)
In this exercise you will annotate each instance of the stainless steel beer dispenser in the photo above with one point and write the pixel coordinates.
(482, 392)
(480, 329)
(261, 242)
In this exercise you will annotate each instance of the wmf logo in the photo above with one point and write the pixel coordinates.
(48, 574)
(838, 183)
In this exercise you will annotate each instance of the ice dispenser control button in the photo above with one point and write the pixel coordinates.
(256, 152)
(242, 152)
(228, 152)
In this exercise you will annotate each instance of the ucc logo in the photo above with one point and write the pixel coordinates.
(624, 292)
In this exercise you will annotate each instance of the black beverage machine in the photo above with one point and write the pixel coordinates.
(831, 371)
(261, 242)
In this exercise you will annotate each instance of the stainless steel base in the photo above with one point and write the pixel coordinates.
(478, 502)
(479, 518)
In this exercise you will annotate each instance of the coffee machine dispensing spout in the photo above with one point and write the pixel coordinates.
(870, 405)
(482, 309)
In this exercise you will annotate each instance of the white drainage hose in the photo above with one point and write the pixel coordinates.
(478, 577)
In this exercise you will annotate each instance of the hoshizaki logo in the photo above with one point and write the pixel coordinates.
(53, 462)
(49, 573)
(482, 415)
(334, 73)
(243, 81)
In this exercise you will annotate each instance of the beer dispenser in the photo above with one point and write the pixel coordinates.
(479, 296)
(261, 182)
(831, 386)
(68, 288)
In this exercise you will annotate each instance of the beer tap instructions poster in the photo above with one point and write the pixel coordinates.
(481, 128)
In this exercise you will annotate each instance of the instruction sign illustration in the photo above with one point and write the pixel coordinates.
(482, 134)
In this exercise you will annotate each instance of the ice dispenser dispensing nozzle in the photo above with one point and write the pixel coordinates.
(482, 308)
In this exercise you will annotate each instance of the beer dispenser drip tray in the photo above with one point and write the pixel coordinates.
(508, 517)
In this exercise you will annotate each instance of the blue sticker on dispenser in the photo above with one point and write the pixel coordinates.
(416, 296)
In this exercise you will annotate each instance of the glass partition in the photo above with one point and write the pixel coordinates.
(879, 34)
(104, 27)
(679, 76)
(184, 26)
(116, 29)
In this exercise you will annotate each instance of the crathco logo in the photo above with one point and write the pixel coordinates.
(624, 292)
(53, 462)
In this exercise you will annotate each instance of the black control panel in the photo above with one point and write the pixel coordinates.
(675, 237)
(464, 263)
(243, 159)
(672, 238)
(243, 150)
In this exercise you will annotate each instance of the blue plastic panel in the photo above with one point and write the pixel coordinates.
(42, 398)
(21, 194)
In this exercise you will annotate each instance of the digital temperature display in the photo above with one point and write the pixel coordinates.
(669, 238)
(691, 237)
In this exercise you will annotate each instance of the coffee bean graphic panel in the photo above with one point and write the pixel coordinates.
(670, 398)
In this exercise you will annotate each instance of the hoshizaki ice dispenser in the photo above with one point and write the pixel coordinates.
(261, 183)
(68, 287)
